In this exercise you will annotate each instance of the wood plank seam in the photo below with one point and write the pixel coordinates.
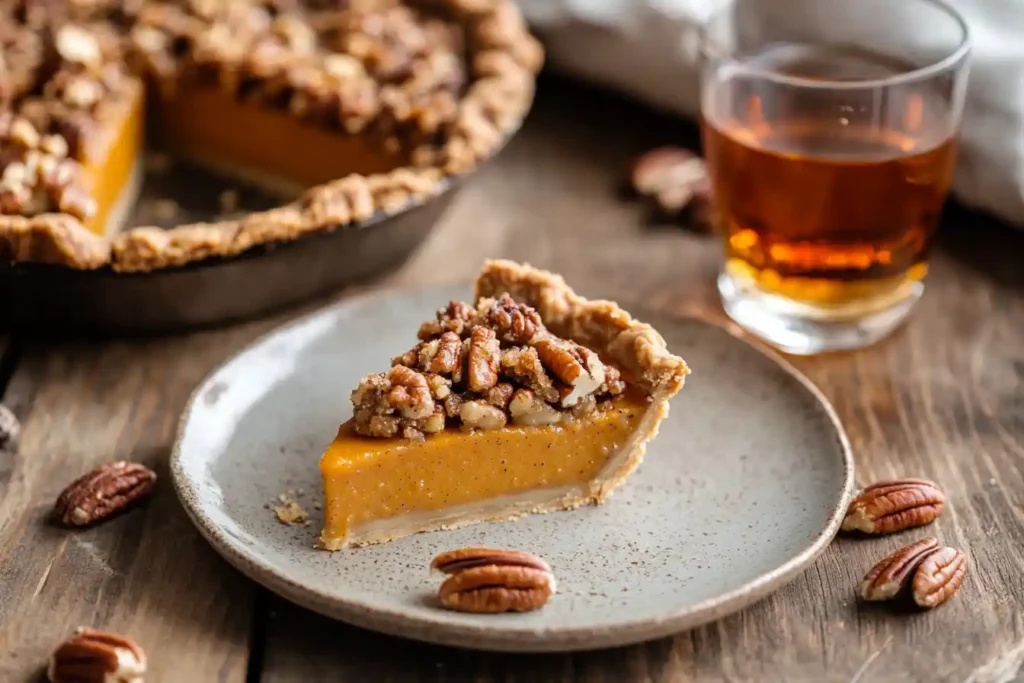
(257, 636)
(10, 354)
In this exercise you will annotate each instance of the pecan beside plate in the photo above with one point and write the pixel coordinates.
(894, 505)
(103, 492)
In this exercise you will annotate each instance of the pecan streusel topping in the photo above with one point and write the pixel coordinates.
(483, 367)
(381, 66)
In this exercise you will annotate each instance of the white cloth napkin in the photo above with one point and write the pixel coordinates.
(648, 49)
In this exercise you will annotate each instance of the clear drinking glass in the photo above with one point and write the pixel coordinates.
(829, 129)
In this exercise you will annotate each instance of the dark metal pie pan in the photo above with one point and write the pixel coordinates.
(214, 291)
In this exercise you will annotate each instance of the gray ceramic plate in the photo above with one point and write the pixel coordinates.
(741, 491)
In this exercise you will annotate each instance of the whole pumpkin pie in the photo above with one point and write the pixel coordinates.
(347, 110)
(531, 399)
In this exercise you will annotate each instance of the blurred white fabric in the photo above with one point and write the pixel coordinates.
(648, 49)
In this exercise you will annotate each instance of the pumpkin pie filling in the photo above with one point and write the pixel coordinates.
(532, 399)
(368, 479)
(211, 127)
(112, 168)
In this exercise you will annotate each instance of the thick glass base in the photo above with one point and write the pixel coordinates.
(805, 329)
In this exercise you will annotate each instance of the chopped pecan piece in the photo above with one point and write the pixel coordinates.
(439, 386)
(481, 415)
(23, 133)
(523, 363)
(384, 426)
(446, 354)
(456, 317)
(410, 359)
(483, 359)
(578, 367)
(78, 45)
(613, 383)
(434, 423)
(54, 146)
(412, 431)
(451, 403)
(528, 410)
(500, 394)
(585, 407)
(383, 401)
(513, 322)
(371, 390)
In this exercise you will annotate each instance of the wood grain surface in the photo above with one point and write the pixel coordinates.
(942, 398)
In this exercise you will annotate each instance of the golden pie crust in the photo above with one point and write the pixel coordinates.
(424, 89)
(377, 489)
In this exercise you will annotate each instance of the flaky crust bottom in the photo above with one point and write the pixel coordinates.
(508, 507)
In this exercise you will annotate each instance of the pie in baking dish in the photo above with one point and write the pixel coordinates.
(348, 109)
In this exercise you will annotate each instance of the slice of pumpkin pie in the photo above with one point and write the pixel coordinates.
(529, 400)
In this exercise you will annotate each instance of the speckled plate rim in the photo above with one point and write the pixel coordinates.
(561, 639)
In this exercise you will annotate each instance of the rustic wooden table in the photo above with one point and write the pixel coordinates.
(942, 398)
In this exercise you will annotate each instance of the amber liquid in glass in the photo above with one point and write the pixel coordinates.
(827, 198)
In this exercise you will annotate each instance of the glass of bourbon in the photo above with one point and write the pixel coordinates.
(830, 132)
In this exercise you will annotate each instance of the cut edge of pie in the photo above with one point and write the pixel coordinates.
(510, 506)
(607, 444)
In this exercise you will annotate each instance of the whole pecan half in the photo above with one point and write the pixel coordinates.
(103, 492)
(492, 589)
(92, 656)
(410, 393)
(894, 505)
(678, 181)
(482, 359)
(578, 367)
(10, 428)
(939, 576)
(448, 355)
(513, 322)
(890, 576)
(455, 561)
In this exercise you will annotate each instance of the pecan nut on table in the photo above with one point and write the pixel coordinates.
(930, 573)
(105, 491)
(92, 656)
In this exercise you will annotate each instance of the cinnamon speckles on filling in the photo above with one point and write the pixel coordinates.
(483, 367)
